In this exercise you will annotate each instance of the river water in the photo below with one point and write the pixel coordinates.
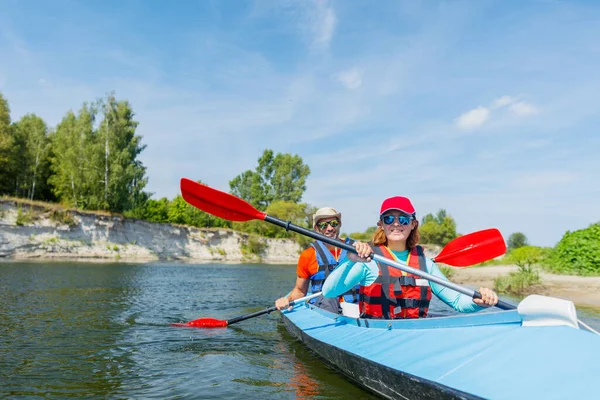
(102, 331)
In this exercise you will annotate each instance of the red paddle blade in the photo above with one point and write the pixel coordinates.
(217, 203)
(473, 248)
(203, 323)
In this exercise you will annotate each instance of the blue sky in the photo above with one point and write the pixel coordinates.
(488, 109)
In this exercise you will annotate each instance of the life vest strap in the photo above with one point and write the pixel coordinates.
(403, 303)
(405, 281)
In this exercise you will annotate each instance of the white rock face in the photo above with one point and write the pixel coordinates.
(104, 237)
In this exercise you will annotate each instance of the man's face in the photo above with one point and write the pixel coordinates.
(329, 227)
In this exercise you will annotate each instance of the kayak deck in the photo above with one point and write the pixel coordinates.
(487, 355)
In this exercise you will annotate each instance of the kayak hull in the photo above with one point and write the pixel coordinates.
(384, 381)
(468, 356)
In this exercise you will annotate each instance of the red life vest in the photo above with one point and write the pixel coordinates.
(405, 295)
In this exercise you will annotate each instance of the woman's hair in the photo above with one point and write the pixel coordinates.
(379, 237)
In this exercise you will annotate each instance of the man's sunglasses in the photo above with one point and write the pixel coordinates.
(402, 219)
(333, 223)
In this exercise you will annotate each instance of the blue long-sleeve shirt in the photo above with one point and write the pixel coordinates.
(349, 274)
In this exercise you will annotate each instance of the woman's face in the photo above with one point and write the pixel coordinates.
(393, 222)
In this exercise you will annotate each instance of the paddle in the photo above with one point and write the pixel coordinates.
(465, 250)
(218, 323)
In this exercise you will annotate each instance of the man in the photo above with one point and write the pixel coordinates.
(316, 262)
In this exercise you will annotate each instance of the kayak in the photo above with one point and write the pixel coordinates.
(493, 355)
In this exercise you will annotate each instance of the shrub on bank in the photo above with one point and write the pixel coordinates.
(577, 253)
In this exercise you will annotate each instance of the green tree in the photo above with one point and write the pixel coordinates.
(31, 136)
(516, 240)
(439, 229)
(365, 236)
(277, 177)
(180, 212)
(7, 154)
(248, 186)
(118, 147)
(72, 173)
(298, 214)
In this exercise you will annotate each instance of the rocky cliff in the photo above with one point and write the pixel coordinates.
(37, 231)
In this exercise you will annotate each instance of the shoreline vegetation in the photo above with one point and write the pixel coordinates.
(582, 290)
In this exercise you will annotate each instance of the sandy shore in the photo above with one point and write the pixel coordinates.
(583, 291)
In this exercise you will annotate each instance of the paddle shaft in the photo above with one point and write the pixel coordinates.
(403, 267)
(270, 309)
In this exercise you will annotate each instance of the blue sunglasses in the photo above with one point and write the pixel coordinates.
(402, 219)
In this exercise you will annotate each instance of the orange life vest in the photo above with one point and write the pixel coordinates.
(396, 294)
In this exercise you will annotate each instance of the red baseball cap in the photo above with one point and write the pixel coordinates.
(397, 203)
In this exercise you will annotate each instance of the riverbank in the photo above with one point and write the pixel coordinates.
(42, 232)
(583, 291)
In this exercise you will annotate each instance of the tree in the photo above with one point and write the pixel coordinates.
(297, 213)
(365, 236)
(31, 136)
(517, 240)
(439, 229)
(123, 174)
(7, 160)
(99, 168)
(68, 162)
(277, 177)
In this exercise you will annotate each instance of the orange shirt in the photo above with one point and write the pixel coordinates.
(307, 262)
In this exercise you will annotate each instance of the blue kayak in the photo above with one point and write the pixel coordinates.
(488, 355)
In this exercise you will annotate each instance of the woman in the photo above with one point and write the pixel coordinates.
(389, 293)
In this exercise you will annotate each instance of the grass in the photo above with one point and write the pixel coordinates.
(518, 282)
(447, 271)
(54, 206)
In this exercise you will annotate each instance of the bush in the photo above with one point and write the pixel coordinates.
(63, 217)
(517, 282)
(254, 245)
(24, 217)
(526, 257)
(577, 252)
(447, 271)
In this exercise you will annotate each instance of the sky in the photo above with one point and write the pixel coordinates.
(487, 109)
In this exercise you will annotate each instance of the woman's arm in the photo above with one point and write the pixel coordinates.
(347, 275)
(458, 301)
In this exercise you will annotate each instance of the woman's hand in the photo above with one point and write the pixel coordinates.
(488, 298)
(363, 250)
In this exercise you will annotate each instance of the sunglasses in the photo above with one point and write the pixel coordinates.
(333, 223)
(402, 219)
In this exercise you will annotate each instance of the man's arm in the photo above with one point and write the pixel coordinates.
(299, 290)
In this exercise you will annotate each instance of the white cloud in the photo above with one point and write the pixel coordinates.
(478, 116)
(324, 21)
(502, 101)
(523, 109)
(351, 79)
(473, 119)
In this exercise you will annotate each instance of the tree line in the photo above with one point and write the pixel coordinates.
(88, 161)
